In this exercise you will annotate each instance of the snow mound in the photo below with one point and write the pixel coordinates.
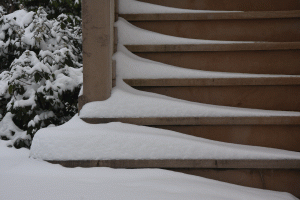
(77, 140)
(131, 66)
(137, 7)
(129, 34)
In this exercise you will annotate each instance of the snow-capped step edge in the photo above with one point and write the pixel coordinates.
(226, 120)
(126, 102)
(247, 27)
(245, 81)
(251, 46)
(186, 163)
(130, 34)
(212, 16)
(131, 66)
(259, 93)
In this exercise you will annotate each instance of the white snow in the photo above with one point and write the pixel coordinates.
(137, 7)
(21, 16)
(128, 102)
(131, 66)
(129, 34)
(26, 178)
(77, 140)
(10, 130)
(3, 86)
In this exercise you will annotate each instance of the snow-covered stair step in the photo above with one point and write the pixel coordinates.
(272, 92)
(275, 26)
(276, 132)
(275, 93)
(278, 129)
(244, 5)
(120, 145)
(257, 58)
(211, 55)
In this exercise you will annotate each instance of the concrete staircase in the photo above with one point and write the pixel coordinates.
(277, 24)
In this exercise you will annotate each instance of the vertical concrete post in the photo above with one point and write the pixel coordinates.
(98, 42)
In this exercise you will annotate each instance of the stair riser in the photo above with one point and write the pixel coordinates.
(245, 5)
(258, 62)
(260, 97)
(277, 180)
(276, 136)
(273, 30)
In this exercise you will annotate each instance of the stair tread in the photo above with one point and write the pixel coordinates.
(213, 15)
(246, 46)
(185, 163)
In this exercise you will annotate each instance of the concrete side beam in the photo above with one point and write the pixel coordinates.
(98, 42)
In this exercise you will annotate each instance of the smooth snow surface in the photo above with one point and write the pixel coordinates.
(77, 140)
(129, 34)
(128, 102)
(30, 179)
(131, 66)
(137, 7)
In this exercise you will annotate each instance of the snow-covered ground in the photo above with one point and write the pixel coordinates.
(25, 178)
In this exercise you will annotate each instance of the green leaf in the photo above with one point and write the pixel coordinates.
(69, 19)
(10, 89)
(37, 77)
(69, 62)
(22, 90)
(47, 77)
(63, 26)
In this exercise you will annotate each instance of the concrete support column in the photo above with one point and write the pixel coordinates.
(98, 37)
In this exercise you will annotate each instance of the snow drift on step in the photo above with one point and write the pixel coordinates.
(131, 103)
(77, 140)
(129, 34)
(131, 66)
(137, 7)
(25, 178)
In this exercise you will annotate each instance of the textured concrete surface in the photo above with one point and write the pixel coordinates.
(245, 5)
